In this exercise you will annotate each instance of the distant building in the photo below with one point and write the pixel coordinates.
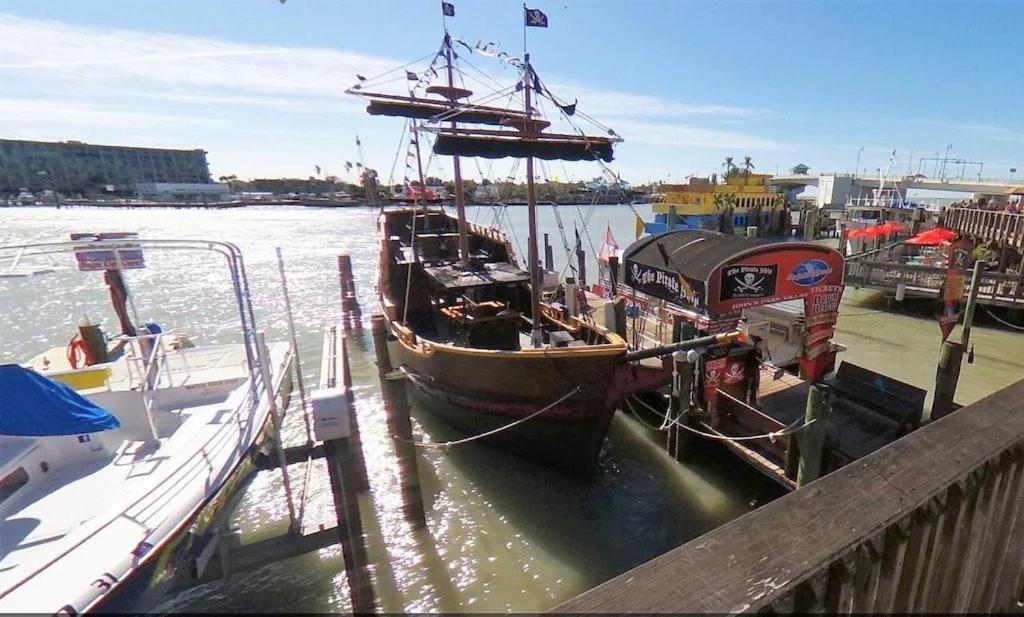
(192, 192)
(74, 167)
(800, 169)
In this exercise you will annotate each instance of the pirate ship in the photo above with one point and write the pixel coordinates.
(475, 335)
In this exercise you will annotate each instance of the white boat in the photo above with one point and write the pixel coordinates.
(82, 513)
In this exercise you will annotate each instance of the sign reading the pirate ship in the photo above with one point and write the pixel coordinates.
(749, 281)
(660, 283)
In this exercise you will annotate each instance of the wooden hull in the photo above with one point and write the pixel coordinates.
(479, 394)
(478, 390)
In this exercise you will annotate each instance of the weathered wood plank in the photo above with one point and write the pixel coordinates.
(762, 556)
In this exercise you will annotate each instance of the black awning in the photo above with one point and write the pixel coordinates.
(675, 265)
(721, 274)
(494, 147)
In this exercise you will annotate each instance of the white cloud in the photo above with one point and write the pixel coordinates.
(156, 88)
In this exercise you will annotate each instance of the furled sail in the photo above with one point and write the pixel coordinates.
(426, 109)
(501, 144)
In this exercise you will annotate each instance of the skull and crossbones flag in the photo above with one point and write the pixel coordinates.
(535, 18)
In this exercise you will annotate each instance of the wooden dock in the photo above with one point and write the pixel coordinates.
(932, 522)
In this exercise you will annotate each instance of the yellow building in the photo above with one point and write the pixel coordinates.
(700, 204)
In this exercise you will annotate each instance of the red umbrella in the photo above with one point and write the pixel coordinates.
(857, 233)
(933, 237)
(891, 228)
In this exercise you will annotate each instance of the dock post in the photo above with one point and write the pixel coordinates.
(812, 438)
(346, 469)
(351, 314)
(619, 312)
(613, 274)
(972, 301)
(379, 328)
(810, 224)
(581, 258)
(339, 456)
(549, 255)
(572, 296)
(946, 377)
(677, 439)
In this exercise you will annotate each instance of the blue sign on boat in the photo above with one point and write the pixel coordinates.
(809, 272)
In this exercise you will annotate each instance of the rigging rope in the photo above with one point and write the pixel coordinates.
(448, 444)
(789, 429)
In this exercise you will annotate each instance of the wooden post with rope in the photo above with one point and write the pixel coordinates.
(947, 374)
(812, 437)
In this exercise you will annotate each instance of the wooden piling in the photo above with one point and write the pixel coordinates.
(379, 328)
(946, 377)
(678, 439)
(812, 438)
(351, 314)
(549, 255)
(339, 457)
(581, 258)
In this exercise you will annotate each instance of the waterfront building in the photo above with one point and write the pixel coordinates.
(77, 168)
(743, 200)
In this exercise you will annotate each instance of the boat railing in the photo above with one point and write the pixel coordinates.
(22, 254)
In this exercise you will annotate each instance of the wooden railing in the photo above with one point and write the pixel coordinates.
(1002, 289)
(932, 522)
(987, 224)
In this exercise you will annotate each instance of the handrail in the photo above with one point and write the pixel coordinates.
(932, 522)
(229, 250)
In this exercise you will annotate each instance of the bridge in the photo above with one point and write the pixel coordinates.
(932, 522)
(984, 186)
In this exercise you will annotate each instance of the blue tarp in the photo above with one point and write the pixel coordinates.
(32, 405)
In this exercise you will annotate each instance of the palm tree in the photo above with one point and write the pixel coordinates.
(747, 166)
(729, 167)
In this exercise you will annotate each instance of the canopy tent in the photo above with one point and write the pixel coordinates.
(33, 405)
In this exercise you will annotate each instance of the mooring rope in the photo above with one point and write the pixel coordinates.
(1005, 323)
(782, 432)
(448, 444)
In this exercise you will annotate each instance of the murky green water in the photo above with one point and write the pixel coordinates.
(503, 534)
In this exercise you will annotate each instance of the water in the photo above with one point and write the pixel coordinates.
(503, 534)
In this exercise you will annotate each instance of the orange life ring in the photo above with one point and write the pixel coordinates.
(77, 352)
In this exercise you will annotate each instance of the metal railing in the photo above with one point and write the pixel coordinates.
(932, 522)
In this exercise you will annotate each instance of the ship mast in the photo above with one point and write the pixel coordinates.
(460, 198)
(536, 285)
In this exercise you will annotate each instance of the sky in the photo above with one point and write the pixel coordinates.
(260, 84)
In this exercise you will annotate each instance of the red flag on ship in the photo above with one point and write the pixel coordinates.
(609, 247)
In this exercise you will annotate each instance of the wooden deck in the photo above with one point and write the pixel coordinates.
(932, 522)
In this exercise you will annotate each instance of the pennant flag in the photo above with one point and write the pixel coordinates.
(360, 77)
(568, 109)
(536, 19)
(579, 243)
(448, 9)
(317, 169)
(411, 76)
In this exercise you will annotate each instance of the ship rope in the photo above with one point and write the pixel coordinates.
(457, 442)
(796, 426)
(1005, 323)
